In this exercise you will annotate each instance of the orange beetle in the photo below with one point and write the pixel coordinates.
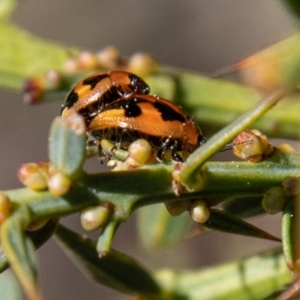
(166, 126)
(94, 93)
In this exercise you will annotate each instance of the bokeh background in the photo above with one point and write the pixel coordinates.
(202, 36)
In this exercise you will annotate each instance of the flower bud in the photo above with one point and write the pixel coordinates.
(274, 200)
(59, 184)
(199, 211)
(32, 176)
(32, 91)
(140, 153)
(71, 65)
(109, 58)
(52, 80)
(93, 218)
(142, 64)
(286, 148)
(87, 61)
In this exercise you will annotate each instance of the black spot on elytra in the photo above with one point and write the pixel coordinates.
(72, 98)
(94, 80)
(132, 110)
(130, 106)
(168, 113)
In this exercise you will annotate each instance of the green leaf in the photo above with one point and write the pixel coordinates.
(115, 270)
(20, 251)
(38, 237)
(163, 84)
(244, 207)
(222, 221)
(158, 229)
(3, 261)
(67, 147)
(290, 234)
(23, 55)
(105, 239)
(9, 287)
(253, 278)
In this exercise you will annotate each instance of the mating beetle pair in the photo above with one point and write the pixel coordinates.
(117, 106)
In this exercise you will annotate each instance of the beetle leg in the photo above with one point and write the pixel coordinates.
(101, 154)
(162, 149)
(164, 146)
(175, 156)
(118, 143)
(171, 144)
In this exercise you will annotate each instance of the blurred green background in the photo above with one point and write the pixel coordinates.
(201, 36)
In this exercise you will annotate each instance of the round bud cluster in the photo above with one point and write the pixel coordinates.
(41, 176)
(109, 58)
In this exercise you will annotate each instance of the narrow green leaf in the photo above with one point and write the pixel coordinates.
(273, 68)
(105, 240)
(3, 261)
(244, 207)
(9, 287)
(286, 233)
(66, 147)
(163, 84)
(255, 277)
(222, 221)
(38, 237)
(20, 251)
(158, 229)
(115, 270)
(295, 234)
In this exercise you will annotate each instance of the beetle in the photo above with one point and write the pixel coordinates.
(95, 92)
(166, 126)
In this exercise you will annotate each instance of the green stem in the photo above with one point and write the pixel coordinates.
(190, 175)
(221, 181)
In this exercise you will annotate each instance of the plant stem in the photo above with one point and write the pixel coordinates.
(190, 172)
